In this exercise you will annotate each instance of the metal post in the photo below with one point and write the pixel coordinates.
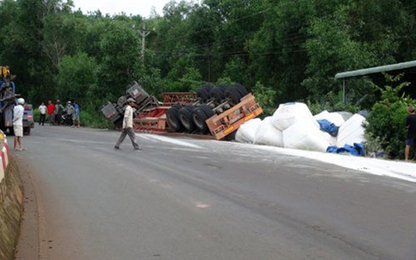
(343, 91)
(144, 33)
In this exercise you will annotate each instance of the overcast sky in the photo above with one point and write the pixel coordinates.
(135, 7)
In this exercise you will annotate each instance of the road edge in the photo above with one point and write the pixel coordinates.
(11, 209)
(28, 242)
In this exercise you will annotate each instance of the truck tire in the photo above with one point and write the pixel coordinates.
(233, 95)
(240, 88)
(207, 87)
(203, 94)
(223, 87)
(208, 111)
(185, 116)
(173, 118)
(199, 115)
(218, 94)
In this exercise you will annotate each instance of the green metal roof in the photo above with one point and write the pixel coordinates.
(363, 72)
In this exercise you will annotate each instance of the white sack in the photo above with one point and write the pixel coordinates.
(351, 131)
(332, 140)
(267, 134)
(305, 137)
(290, 113)
(247, 131)
(333, 117)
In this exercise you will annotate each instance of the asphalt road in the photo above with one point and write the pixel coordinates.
(188, 199)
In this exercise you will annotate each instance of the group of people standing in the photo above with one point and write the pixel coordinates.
(58, 114)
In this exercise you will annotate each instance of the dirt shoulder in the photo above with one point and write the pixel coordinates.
(28, 240)
(11, 208)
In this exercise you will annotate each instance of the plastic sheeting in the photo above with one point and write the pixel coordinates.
(352, 131)
(293, 126)
(305, 136)
(290, 113)
(267, 134)
(246, 133)
(334, 117)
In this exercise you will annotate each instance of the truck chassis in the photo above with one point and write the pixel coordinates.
(210, 112)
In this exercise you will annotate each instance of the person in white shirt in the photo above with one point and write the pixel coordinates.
(42, 111)
(18, 124)
(128, 126)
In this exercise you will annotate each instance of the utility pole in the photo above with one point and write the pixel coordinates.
(143, 33)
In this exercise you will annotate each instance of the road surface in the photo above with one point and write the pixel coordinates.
(189, 199)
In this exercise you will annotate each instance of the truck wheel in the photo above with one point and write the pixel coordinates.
(173, 119)
(233, 95)
(185, 116)
(240, 88)
(208, 111)
(223, 87)
(199, 115)
(207, 87)
(26, 130)
(203, 94)
(218, 94)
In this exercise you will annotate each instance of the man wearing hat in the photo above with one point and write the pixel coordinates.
(128, 126)
(18, 111)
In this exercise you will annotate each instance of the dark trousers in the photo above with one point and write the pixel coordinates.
(130, 132)
(42, 119)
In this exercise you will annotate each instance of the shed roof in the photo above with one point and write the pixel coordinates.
(363, 72)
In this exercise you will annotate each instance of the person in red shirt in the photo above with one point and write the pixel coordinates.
(51, 110)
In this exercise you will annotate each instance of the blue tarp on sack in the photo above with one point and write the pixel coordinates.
(357, 149)
(328, 127)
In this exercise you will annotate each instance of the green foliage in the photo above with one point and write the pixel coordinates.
(76, 75)
(386, 127)
(390, 94)
(265, 96)
(332, 102)
(386, 121)
(294, 48)
(95, 119)
(121, 60)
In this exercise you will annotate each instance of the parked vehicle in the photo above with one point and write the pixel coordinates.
(217, 112)
(7, 99)
(28, 120)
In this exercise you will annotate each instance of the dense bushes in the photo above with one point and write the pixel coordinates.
(386, 128)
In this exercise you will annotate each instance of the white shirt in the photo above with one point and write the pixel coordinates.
(42, 109)
(18, 115)
(128, 117)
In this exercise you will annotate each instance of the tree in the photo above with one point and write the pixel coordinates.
(75, 78)
(385, 128)
(121, 60)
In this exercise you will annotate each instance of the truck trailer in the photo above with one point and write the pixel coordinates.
(212, 112)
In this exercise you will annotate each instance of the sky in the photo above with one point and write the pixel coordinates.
(134, 7)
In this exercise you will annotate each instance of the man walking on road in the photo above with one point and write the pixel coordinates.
(128, 127)
(18, 124)
(42, 111)
(411, 131)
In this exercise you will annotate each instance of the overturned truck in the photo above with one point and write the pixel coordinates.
(210, 111)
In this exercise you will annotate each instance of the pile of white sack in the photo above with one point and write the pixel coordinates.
(293, 126)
